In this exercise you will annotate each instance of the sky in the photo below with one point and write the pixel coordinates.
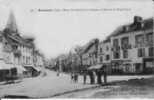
(57, 32)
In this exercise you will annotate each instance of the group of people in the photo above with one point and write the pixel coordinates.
(92, 75)
(74, 77)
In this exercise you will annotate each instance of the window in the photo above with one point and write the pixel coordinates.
(125, 53)
(139, 40)
(116, 49)
(149, 64)
(151, 51)
(100, 50)
(137, 66)
(141, 52)
(101, 59)
(115, 42)
(107, 48)
(116, 55)
(125, 42)
(107, 57)
(149, 39)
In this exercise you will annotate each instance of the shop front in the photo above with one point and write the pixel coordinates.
(31, 71)
(116, 66)
(148, 65)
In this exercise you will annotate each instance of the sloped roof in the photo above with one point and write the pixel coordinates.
(147, 24)
(15, 39)
(89, 45)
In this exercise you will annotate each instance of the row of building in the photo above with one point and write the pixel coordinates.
(129, 49)
(18, 55)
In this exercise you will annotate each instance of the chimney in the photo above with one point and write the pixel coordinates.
(137, 19)
(138, 22)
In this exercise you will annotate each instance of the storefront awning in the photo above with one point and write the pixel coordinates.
(37, 68)
(95, 67)
(29, 67)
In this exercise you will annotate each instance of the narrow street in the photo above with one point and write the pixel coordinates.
(51, 84)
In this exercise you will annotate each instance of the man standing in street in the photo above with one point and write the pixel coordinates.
(84, 77)
(91, 77)
(105, 74)
(99, 76)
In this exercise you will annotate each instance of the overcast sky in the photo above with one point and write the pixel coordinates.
(57, 32)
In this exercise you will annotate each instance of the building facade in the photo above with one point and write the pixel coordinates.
(104, 54)
(132, 47)
(38, 59)
(16, 52)
(89, 56)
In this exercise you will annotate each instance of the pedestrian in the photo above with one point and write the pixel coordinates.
(91, 77)
(76, 77)
(72, 77)
(99, 77)
(105, 74)
(84, 77)
(58, 73)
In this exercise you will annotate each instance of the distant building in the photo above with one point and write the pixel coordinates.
(89, 56)
(104, 54)
(133, 47)
(38, 59)
(16, 51)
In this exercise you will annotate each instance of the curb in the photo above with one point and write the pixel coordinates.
(76, 90)
(82, 89)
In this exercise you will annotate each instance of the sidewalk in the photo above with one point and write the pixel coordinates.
(51, 85)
